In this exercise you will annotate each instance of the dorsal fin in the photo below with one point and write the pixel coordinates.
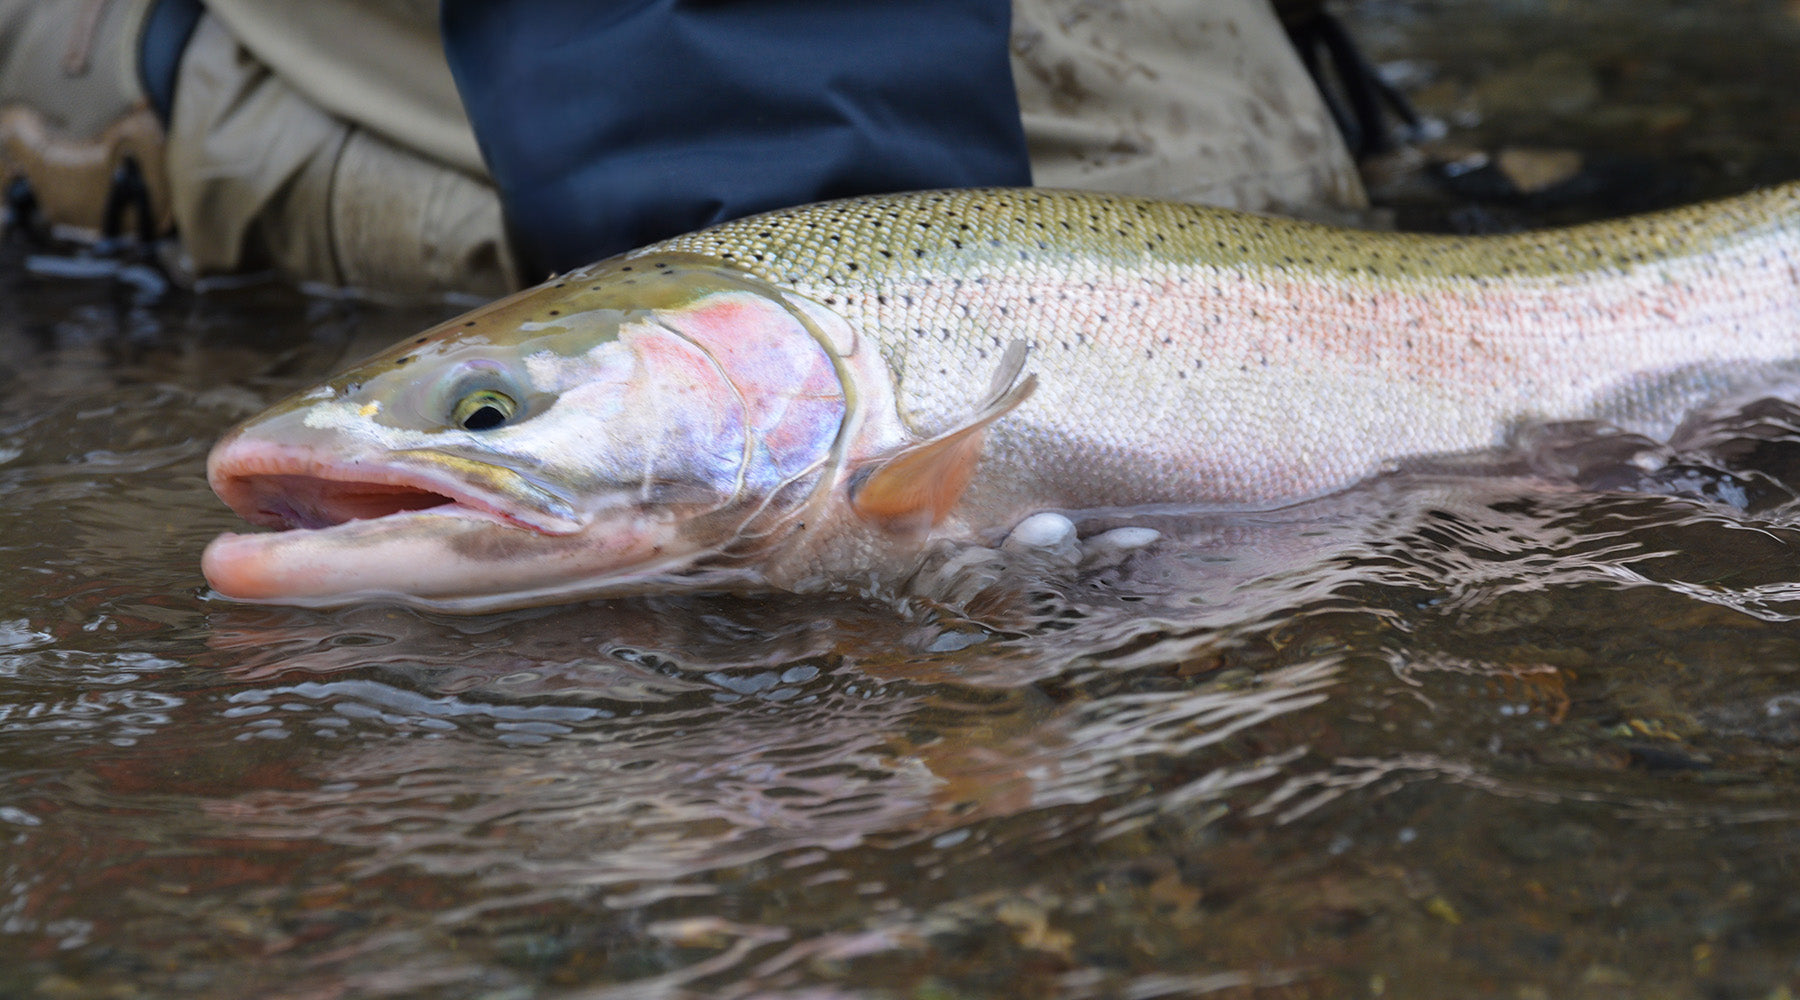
(916, 485)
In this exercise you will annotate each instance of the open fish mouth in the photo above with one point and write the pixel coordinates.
(288, 501)
(419, 527)
(296, 489)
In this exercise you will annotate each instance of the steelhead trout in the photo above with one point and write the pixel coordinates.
(807, 399)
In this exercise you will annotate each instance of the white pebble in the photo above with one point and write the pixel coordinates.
(1048, 534)
(1109, 547)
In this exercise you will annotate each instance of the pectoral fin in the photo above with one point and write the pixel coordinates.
(915, 486)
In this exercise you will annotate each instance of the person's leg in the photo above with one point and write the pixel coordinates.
(252, 173)
(1194, 100)
(265, 178)
(75, 123)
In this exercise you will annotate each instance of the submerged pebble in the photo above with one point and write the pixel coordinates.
(1049, 535)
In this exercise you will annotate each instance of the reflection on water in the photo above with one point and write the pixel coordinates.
(1495, 728)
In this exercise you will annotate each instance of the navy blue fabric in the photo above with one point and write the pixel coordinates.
(167, 29)
(608, 124)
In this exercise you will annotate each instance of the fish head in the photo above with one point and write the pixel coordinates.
(647, 423)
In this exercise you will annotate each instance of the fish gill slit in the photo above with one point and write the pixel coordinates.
(849, 424)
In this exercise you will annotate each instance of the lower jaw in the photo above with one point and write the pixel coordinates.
(451, 563)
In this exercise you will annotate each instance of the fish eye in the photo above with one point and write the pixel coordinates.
(483, 409)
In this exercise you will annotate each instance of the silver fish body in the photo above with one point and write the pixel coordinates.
(808, 398)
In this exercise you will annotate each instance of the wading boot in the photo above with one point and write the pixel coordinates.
(81, 147)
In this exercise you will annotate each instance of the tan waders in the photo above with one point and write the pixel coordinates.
(1193, 100)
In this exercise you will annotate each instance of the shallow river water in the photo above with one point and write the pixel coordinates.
(1528, 726)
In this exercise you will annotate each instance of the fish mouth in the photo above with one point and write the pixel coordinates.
(421, 528)
(291, 488)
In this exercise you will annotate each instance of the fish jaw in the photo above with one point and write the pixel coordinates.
(448, 558)
(399, 530)
(412, 525)
(298, 486)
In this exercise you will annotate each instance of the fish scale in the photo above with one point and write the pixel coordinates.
(1196, 355)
